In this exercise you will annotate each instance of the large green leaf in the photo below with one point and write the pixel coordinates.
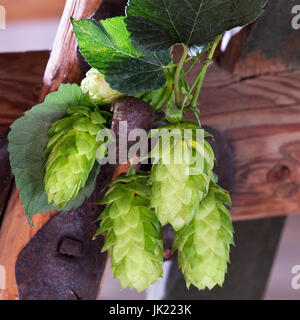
(28, 139)
(159, 24)
(107, 47)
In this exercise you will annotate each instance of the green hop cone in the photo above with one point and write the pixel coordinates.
(71, 153)
(134, 237)
(99, 90)
(179, 183)
(204, 244)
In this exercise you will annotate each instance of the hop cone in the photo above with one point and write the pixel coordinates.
(99, 90)
(134, 237)
(203, 245)
(71, 154)
(178, 184)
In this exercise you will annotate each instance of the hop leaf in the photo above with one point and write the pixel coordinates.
(204, 244)
(28, 141)
(128, 68)
(178, 182)
(160, 24)
(134, 237)
(98, 89)
(158, 98)
(71, 153)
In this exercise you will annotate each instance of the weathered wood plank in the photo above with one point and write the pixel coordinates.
(62, 66)
(20, 84)
(21, 80)
(261, 117)
(268, 45)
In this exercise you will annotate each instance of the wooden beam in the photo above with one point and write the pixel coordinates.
(261, 118)
(62, 66)
(269, 45)
(21, 80)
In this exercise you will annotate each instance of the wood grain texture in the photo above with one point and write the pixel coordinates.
(261, 117)
(266, 46)
(62, 66)
(21, 80)
(15, 233)
(20, 84)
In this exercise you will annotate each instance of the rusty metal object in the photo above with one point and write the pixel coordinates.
(6, 177)
(127, 112)
(62, 261)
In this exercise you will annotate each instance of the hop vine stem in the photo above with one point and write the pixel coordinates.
(197, 85)
(202, 74)
(194, 60)
(178, 74)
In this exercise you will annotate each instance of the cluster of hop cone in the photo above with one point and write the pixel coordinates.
(139, 204)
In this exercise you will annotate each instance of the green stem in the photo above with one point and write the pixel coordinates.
(165, 99)
(178, 73)
(184, 102)
(171, 65)
(189, 59)
(196, 115)
(196, 60)
(195, 82)
(202, 74)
